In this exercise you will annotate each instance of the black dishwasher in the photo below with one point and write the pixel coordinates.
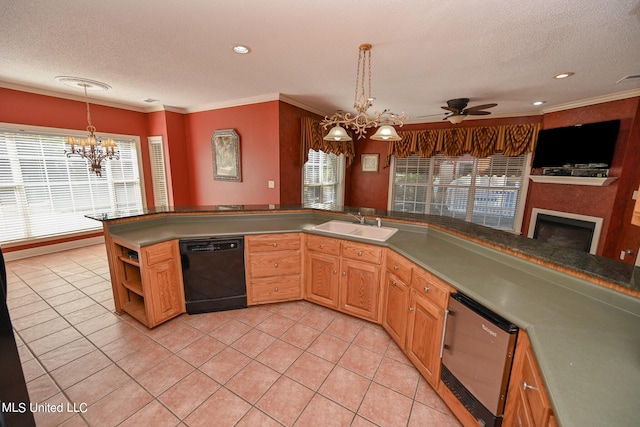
(213, 274)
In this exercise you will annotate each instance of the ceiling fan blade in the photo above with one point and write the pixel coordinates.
(453, 110)
(477, 113)
(481, 107)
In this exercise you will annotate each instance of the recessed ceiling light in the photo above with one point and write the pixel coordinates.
(563, 75)
(538, 103)
(241, 49)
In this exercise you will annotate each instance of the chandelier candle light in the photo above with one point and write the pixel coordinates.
(91, 148)
(361, 121)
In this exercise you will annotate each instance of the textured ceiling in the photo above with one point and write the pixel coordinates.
(424, 51)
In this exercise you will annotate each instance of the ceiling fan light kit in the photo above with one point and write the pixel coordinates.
(361, 120)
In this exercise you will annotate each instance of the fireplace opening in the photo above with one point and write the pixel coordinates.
(565, 229)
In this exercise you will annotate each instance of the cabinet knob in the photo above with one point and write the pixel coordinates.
(394, 283)
(527, 386)
(426, 289)
(395, 267)
(410, 308)
(359, 253)
(275, 245)
(275, 265)
(335, 271)
(276, 289)
(344, 273)
(321, 246)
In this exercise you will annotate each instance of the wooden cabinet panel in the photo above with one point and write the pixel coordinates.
(396, 309)
(271, 242)
(424, 337)
(360, 289)
(432, 288)
(277, 263)
(167, 299)
(401, 267)
(362, 252)
(322, 279)
(273, 267)
(527, 401)
(270, 289)
(325, 245)
(160, 252)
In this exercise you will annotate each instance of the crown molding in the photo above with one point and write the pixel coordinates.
(234, 103)
(592, 101)
(288, 100)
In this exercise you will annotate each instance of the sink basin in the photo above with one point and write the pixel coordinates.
(344, 228)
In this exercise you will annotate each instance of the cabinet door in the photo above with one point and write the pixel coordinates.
(165, 294)
(322, 279)
(424, 337)
(396, 309)
(360, 289)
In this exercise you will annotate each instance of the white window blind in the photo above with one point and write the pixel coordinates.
(43, 193)
(158, 174)
(323, 179)
(485, 191)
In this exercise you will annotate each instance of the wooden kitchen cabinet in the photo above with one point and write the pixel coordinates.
(147, 281)
(397, 288)
(344, 275)
(527, 402)
(427, 309)
(273, 268)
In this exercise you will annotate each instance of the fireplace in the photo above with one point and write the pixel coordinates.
(570, 230)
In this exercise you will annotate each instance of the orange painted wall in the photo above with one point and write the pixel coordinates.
(258, 128)
(39, 110)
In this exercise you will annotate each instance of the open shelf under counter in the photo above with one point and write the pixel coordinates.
(573, 180)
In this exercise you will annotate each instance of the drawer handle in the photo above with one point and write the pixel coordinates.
(275, 245)
(395, 267)
(321, 246)
(426, 289)
(527, 386)
(359, 253)
(275, 265)
(344, 273)
(394, 283)
(335, 271)
(410, 308)
(276, 289)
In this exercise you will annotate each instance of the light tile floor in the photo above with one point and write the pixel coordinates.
(281, 364)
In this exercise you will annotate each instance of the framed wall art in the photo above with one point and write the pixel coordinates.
(369, 162)
(225, 146)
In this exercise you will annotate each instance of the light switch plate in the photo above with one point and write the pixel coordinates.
(635, 195)
(272, 184)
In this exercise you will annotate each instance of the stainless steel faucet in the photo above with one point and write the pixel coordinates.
(358, 216)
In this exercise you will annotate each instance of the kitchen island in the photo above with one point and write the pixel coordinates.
(581, 313)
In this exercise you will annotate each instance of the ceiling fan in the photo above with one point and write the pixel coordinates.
(458, 109)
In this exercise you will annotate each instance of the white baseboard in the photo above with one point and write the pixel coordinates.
(48, 249)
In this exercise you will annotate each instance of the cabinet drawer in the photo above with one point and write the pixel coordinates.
(272, 289)
(161, 252)
(360, 252)
(399, 266)
(325, 245)
(278, 263)
(273, 242)
(431, 287)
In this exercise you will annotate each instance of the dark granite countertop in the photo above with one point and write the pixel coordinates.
(600, 268)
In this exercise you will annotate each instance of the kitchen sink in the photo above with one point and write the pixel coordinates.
(345, 228)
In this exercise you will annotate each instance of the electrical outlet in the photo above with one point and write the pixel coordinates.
(271, 184)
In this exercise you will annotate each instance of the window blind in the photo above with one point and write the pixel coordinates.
(158, 174)
(323, 179)
(43, 193)
(485, 191)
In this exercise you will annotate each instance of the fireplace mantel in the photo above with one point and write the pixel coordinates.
(573, 180)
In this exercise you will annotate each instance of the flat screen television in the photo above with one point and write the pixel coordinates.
(586, 145)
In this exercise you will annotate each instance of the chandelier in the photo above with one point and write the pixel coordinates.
(361, 121)
(92, 148)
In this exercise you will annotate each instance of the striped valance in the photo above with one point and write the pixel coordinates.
(508, 140)
(312, 135)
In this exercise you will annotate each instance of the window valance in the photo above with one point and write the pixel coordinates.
(312, 135)
(508, 140)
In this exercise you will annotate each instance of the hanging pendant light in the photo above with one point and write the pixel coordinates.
(337, 133)
(91, 148)
(361, 121)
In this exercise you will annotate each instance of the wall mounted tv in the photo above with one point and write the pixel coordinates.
(585, 145)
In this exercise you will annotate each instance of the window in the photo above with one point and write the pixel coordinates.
(158, 175)
(323, 179)
(44, 193)
(484, 191)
